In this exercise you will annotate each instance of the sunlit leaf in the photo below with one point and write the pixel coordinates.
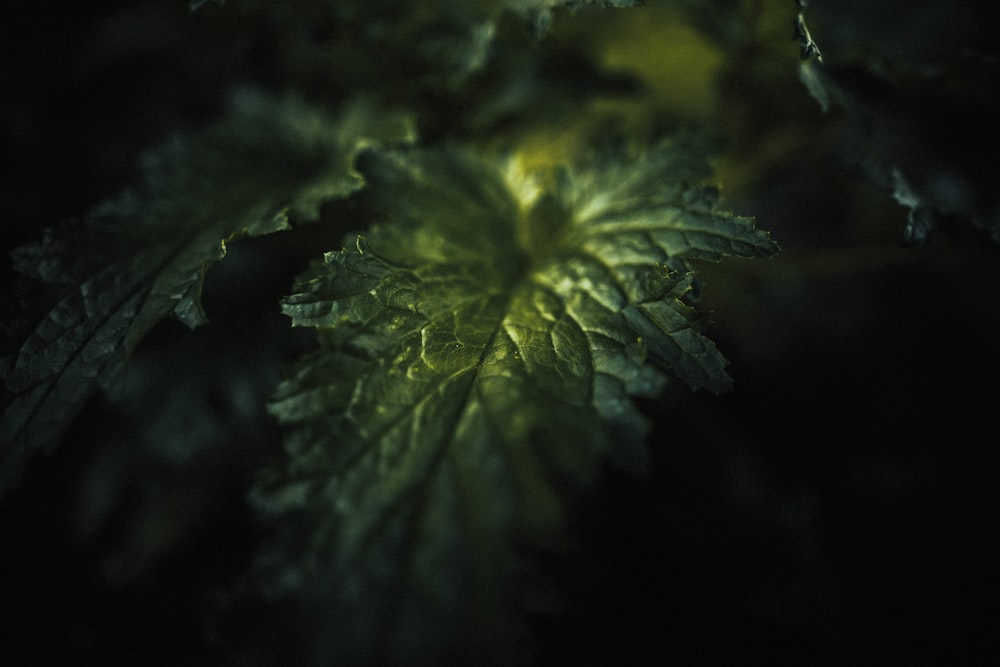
(478, 351)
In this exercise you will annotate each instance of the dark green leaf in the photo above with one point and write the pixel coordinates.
(141, 256)
(478, 353)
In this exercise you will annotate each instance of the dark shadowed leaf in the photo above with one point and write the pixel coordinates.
(140, 257)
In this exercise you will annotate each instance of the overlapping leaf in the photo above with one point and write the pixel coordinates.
(478, 353)
(142, 256)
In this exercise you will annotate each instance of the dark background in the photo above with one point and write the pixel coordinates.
(838, 507)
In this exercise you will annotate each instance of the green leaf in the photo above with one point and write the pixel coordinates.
(142, 256)
(478, 351)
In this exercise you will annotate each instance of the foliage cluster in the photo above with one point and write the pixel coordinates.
(502, 219)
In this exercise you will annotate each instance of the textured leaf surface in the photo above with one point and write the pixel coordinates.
(142, 256)
(478, 352)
